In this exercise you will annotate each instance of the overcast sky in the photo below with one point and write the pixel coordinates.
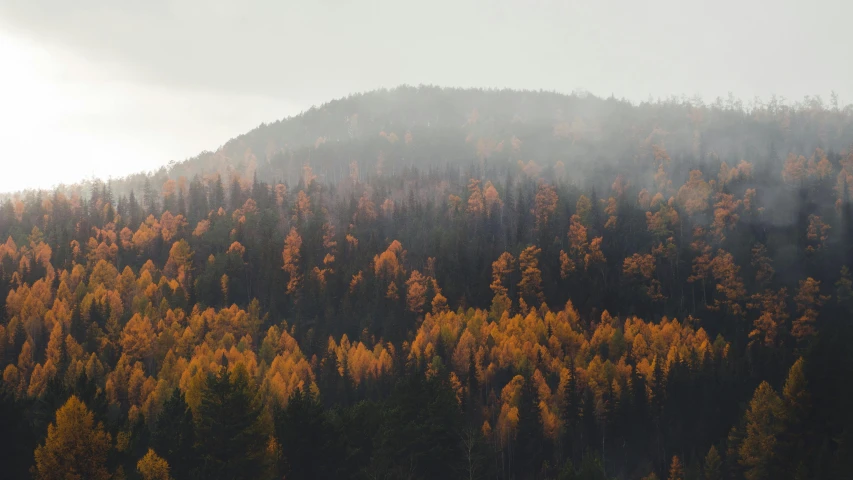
(111, 87)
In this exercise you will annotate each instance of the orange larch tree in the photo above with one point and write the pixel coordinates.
(545, 205)
(771, 323)
(291, 256)
(416, 292)
(809, 302)
(644, 267)
(729, 284)
(476, 204)
(501, 269)
(530, 287)
(75, 446)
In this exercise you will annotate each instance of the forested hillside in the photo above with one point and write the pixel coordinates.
(437, 283)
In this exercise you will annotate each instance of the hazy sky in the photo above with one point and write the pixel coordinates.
(111, 87)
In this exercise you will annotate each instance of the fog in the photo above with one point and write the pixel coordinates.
(108, 88)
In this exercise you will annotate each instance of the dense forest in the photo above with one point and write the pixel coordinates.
(434, 283)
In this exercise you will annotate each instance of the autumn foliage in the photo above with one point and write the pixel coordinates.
(349, 308)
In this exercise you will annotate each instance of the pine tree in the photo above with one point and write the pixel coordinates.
(236, 195)
(230, 441)
(308, 442)
(16, 438)
(149, 199)
(197, 207)
(173, 435)
(529, 439)
(419, 434)
(182, 203)
(217, 194)
(134, 217)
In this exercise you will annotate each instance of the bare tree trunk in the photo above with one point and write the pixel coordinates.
(469, 442)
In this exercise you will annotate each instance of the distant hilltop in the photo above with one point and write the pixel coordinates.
(426, 127)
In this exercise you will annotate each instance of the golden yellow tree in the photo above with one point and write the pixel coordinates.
(492, 199)
(366, 211)
(644, 267)
(387, 265)
(416, 292)
(763, 264)
(583, 209)
(302, 207)
(25, 361)
(392, 293)
(729, 284)
(758, 451)
(501, 269)
(725, 215)
(693, 196)
(530, 286)
(809, 301)
(819, 167)
(577, 231)
(75, 447)
(137, 339)
(545, 205)
(768, 327)
(291, 256)
(794, 172)
(476, 202)
(180, 263)
(816, 234)
(595, 257)
(55, 344)
(153, 467)
(676, 469)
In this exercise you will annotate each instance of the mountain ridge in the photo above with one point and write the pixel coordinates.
(592, 125)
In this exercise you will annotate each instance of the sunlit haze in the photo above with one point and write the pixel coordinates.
(64, 119)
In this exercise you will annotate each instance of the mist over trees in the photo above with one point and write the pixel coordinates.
(446, 283)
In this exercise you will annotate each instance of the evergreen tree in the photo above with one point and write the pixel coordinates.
(530, 449)
(16, 439)
(133, 212)
(197, 207)
(420, 430)
(229, 441)
(173, 435)
(181, 207)
(149, 198)
(309, 443)
(236, 195)
(217, 194)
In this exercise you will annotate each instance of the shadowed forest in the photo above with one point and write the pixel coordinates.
(428, 283)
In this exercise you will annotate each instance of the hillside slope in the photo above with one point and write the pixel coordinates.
(429, 283)
(431, 127)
